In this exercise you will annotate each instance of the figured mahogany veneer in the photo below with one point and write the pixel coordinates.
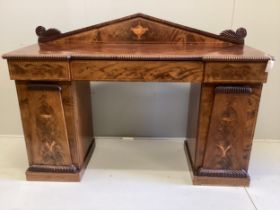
(39, 70)
(53, 85)
(229, 133)
(244, 72)
(48, 125)
(145, 71)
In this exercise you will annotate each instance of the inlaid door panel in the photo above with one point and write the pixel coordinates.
(230, 132)
(49, 141)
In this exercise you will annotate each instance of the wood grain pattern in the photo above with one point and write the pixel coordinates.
(48, 128)
(137, 71)
(193, 112)
(83, 118)
(56, 146)
(205, 109)
(44, 125)
(139, 37)
(212, 180)
(121, 31)
(39, 70)
(23, 101)
(67, 95)
(226, 131)
(235, 72)
(61, 176)
(230, 137)
(138, 51)
(77, 108)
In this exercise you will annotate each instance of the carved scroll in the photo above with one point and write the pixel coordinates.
(45, 35)
(237, 36)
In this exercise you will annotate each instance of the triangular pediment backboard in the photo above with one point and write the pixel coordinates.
(139, 28)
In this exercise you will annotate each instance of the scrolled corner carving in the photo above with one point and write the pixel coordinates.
(46, 34)
(237, 36)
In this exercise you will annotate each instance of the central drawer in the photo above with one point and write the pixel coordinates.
(146, 71)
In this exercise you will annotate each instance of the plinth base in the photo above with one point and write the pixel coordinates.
(209, 180)
(61, 177)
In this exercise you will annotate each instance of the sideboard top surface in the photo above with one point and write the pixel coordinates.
(139, 52)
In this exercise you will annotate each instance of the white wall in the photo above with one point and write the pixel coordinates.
(18, 20)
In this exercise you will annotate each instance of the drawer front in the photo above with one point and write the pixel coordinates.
(39, 70)
(235, 72)
(157, 71)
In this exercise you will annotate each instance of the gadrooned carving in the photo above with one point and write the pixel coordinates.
(233, 89)
(223, 173)
(53, 169)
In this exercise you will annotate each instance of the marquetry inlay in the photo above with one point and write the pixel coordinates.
(224, 149)
(139, 31)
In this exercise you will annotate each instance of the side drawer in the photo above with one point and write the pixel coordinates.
(39, 70)
(180, 71)
(240, 72)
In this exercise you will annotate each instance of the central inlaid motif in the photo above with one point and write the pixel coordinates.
(224, 149)
(139, 31)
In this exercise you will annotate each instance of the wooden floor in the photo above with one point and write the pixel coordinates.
(139, 174)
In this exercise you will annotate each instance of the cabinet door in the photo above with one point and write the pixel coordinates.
(49, 141)
(231, 131)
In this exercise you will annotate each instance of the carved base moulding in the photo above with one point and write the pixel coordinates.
(59, 173)
(215, 177)
(221, 181)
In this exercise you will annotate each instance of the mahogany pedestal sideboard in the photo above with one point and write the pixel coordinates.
(53, 78)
